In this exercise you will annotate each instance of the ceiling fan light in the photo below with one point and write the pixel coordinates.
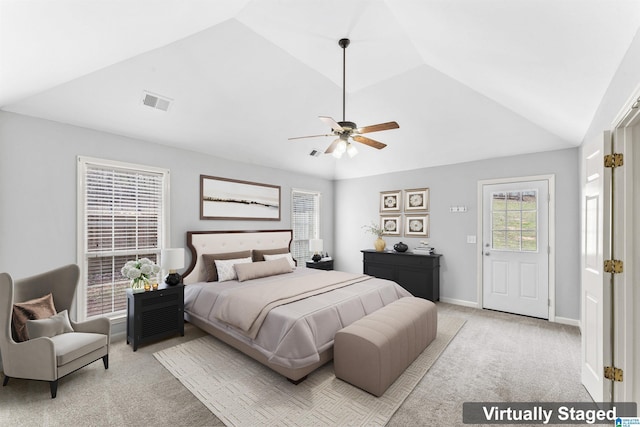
(351, 150)
(341, 147)
(337, 154)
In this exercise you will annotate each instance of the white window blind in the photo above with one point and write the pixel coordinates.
(123, 218)
(305, 222)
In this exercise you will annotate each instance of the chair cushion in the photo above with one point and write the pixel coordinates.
(37, 308)
(73, 345)
(49, 327)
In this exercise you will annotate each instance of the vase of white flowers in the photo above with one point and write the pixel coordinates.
(139, 271)
(376, 230)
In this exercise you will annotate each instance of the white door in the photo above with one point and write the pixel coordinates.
(593, 304)
(516, 247)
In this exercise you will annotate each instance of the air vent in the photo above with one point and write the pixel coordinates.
(156, 101)
(314, 153)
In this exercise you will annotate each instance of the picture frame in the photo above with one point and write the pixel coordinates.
(416, 225)
(391, 225)
(416, 199)
(232, 199)
(390, 201)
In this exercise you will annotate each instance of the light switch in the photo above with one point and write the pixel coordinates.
(471, 239)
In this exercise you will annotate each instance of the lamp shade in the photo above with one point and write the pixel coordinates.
(172, 259)
(315, 245)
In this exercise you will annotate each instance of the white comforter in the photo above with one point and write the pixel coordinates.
(293, 335)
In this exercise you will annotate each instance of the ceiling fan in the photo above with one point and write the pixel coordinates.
(346, 131)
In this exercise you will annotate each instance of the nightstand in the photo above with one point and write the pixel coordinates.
(153, 315)
(321, 265)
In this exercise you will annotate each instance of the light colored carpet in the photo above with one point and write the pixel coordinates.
(242, 392)
(495, 357)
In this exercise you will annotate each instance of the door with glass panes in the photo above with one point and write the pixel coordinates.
(515, 247)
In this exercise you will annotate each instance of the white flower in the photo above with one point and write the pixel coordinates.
(140, 269)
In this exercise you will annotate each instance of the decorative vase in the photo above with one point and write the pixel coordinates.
(400, 247)
(379, 244)
(137, 285)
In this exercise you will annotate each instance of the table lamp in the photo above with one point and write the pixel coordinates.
(315, 246)
(172, 260)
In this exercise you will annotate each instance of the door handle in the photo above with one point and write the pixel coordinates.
(487, 253)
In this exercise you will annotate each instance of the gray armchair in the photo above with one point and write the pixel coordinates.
(44, 358)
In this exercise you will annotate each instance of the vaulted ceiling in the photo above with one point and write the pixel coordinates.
(465, 79)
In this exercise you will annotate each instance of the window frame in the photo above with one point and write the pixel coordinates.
(83, 163)
(318, 220)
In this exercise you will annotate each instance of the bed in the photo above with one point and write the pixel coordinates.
(295, 337)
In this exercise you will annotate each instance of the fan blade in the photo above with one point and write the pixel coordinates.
(332, 147)
(368, 141)
(332, 123)
(310, 136)
(379, 127)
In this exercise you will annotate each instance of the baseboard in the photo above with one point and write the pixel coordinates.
(567, 321)
(463, 303)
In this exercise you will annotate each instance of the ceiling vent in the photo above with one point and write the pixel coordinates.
(156, 101)
(314, 153)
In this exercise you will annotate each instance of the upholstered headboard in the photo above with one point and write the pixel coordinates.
(214, 242)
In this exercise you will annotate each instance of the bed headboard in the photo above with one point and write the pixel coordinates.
(214, 242)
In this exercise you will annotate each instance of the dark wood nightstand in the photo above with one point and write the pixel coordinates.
(153, 315)
(321, 265)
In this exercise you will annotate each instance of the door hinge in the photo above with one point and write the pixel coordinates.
(614, 266)
(613, 373)
(613, 160)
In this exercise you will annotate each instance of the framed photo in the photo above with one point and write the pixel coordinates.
(416, 225)
(224, 198)
(390, 201)
(416, 199)
(391, 225)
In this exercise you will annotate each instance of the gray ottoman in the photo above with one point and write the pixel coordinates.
(372, 352)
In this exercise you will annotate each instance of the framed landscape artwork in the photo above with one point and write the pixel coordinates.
(416, 225)
(416, 200)
(224, 198)
(391, 225)
(390, 201)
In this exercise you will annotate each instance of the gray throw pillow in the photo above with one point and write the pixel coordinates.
(50, 327)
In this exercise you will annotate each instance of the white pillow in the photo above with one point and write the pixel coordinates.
(226, 270)
(288, 256)
(50, 327)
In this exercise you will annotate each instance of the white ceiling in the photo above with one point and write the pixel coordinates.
(465, 79)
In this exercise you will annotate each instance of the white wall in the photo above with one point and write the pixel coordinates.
(357, 204)
(38, 189)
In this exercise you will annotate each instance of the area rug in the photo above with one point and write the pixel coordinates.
(243, 392)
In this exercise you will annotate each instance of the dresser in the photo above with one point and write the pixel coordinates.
(419, 274)
(154, 315)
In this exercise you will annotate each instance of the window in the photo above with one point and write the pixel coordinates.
(514, 221)
(121, 217)
(305, 221)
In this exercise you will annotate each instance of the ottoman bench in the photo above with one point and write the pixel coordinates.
(372, 352)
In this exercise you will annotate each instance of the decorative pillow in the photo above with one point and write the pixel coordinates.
(50, 327)
(258, 254)
(226, 270)
(210, 265)
(259, 269)
(286, 256)
(37, 308)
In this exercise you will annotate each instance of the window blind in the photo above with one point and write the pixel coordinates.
(123, 220)
(305, 222)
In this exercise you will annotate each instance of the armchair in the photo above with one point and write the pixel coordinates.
(44, 358)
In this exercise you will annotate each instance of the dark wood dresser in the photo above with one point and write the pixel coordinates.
(419, 274)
